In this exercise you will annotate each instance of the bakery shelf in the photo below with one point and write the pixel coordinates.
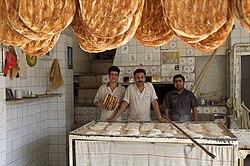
(39, 97)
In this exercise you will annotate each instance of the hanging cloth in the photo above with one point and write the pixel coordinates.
(55, 75)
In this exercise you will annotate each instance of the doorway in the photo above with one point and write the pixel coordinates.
(245, 80)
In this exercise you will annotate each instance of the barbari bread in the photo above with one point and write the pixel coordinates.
(186, 39)
(92, 43)
(245, 4)
(241, 10)
(233, 8)
(158, 42)
(197, 18)
(118, 41)
(152, 25)
(47, 16)
(87, 46)
(12, 7)
(36, 45)
(82, 34)
(46, 48)
(110, 102)
(8, 34)
(216, 39)
(152, 30)
(107, 18)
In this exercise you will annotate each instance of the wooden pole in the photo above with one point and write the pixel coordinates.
(198, 80)
(186, 134)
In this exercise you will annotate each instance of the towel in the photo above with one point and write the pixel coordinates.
(55, 75)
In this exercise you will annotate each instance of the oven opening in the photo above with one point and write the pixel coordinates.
(161, 90)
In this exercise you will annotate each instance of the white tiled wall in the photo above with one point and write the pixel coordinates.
(213, 109)
(27, 133)
(36, 81)
(2, 123)
(37, 131)
(62, 108)
(239, 34)
(133, 55)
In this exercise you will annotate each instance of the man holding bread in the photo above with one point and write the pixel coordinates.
(110, 95)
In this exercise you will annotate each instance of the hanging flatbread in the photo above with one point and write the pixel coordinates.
(90, 42)
(47, 16)
(216, 39)
(241, 10)
(107, 18)
(46, 48)
(12, 7)
(87, 46)
(9, 35)
(35, 45)
(152, 26)
(158, 42)
(195, 19)
(233, 8)
(245, 5)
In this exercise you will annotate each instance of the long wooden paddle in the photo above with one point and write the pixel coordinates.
(186, 134)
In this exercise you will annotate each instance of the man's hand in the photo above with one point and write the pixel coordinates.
(112, 119)
(100, 105)
(162, 119)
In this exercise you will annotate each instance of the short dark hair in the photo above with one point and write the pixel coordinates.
(179, 76)
(114, 68)
(139, 71)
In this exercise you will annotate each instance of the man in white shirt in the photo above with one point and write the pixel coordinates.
(113, 88)
(139, 97)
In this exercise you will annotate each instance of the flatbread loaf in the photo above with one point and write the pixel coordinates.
(216, 39)
(46, 48)
(92, 43)
(12, 13)
(47, 16)
(108, 18)
(110, 102)
(196, 18)
(8, 34)
(158, 42)
(241, 10)
(245, 4)
(35, 45)
(152, 30)
(87, 46)
(152, 26)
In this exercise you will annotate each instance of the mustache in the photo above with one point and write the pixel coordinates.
(140, 81)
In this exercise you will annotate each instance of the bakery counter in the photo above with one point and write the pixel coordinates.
(128, 143)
